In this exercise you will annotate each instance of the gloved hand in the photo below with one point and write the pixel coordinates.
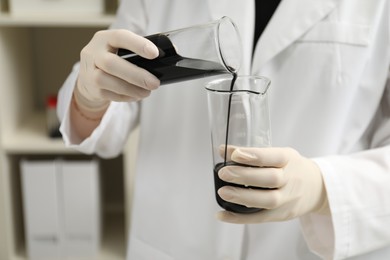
(296, 184)
(106, 77)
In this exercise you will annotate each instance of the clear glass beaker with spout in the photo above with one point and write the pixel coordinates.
(193, 52)
(238, 116)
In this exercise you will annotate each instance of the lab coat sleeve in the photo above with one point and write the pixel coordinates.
(358, 189)
(109, 138)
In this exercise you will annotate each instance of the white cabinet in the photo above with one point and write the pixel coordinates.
(79, 190)
(41, 209)
(61, 208)
(37, 53)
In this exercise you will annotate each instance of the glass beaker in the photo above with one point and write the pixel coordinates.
(192, 52)
(239, 116)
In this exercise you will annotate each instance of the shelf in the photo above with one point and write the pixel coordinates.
(31, 137)
(32, 69)
(103, 20)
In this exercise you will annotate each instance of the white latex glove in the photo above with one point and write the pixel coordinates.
(296, 182)
(106, 77)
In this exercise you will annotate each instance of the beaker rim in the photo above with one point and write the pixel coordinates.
(262, 91)
(222, 22)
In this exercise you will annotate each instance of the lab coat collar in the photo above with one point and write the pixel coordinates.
(290, 21)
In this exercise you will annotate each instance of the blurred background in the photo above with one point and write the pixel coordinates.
(55, 203)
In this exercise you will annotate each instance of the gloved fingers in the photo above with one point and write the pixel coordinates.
(261, 157)
(124, 92)
(255, 198)
(128, 40)
(272, 215)
(229, 151)
(254, 176)
(120, 68)
(109, 87)
(303, 193)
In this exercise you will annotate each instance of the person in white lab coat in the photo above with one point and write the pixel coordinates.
(330, 112)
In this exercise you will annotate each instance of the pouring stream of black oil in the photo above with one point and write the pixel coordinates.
(170, 67)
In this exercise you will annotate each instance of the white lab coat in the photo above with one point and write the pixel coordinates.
(328, 62)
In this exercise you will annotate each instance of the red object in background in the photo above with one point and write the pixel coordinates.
(51, 101)
(53, 123)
